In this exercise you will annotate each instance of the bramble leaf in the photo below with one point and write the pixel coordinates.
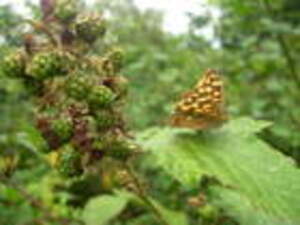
(101, 210)
(264, 184)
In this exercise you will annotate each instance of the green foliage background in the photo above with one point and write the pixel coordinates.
(256, 47)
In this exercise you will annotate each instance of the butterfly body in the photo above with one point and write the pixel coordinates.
(203, 107)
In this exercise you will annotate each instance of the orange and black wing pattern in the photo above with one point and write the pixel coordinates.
(202, 107)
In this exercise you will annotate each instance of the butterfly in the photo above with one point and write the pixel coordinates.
(203, 107)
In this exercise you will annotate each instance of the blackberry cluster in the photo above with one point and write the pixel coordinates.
(79, 96)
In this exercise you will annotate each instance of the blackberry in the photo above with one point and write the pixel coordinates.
(121, 149)
(78, 86)
(85, 131)
(115, 56)
(14, 64)
(66, 10)
(105, 119)
(69, 162)
(100, 96)
(89, 27)
(63, 127)
(98, 145)
(118, 84)
(48, 64)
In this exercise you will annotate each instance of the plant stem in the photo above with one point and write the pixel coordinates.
(36, 203)
(143, 196)
(42, 28)
(286, 51)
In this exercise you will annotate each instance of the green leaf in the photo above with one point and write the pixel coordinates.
(170, 216)
(31, 139)
(245, 126)
(101, 210)
(264, 184)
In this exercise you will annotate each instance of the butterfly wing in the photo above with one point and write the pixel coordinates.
(203, 107)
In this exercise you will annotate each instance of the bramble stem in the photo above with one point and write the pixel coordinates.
(35, 203)
(41, 27)
(143, 196)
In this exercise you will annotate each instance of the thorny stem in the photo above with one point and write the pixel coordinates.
(143, 195)
(36, 203)
(283, 45)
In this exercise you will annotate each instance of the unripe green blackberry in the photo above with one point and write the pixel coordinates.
(100, 96)
(105, 119)
(69, 162)
(89, 27)
(98, 144)
(121, 149)
(14, 64)
(78, 86)
(48, 64)
(66, 10)
(63, 127)
(118, 84)
(115, 56)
